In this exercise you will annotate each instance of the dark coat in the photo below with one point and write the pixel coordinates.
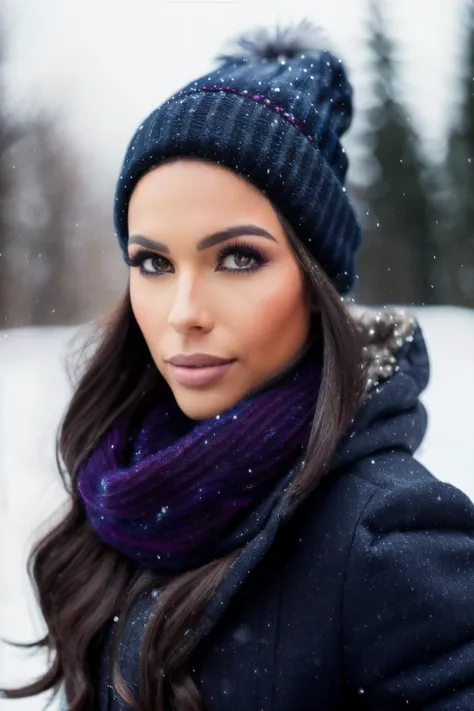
(363, 601)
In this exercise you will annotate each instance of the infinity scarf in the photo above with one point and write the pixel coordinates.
(174, 493)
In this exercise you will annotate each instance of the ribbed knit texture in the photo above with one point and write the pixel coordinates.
(277, 122)
(175, 493)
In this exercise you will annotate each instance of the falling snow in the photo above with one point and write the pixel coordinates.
(30, 361)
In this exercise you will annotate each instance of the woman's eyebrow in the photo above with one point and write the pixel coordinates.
(206, 242)
(230, 232)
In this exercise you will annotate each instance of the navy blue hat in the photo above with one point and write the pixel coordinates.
(273, 111)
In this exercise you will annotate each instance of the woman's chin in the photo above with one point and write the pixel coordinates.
(202, 405)
(199, 410)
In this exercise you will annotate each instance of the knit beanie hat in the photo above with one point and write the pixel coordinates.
(273, 111)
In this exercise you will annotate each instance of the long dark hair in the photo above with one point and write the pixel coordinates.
(81, 583)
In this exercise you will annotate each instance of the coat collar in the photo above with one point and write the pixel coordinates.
(385, 332)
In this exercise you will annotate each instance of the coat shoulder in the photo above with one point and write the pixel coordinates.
(404, 493)
(408, 620)
(386, 493)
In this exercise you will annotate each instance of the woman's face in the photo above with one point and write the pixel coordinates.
(213, 274)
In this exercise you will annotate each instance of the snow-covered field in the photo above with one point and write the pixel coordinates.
(33, 394)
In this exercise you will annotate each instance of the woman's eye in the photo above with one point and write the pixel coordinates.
(240, 258)
(152, 265)
(231, 259)
(237, 261)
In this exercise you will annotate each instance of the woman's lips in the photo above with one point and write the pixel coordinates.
(195, 377)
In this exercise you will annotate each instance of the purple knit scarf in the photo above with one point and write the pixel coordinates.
(174, 493)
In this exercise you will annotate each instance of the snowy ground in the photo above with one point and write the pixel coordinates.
(34, 390)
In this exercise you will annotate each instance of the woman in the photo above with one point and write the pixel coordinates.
(248, 526)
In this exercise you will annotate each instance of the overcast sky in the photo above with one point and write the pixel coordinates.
(104, 64)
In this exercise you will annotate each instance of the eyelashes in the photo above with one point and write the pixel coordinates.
(142, 256)
(161, 265)
(245, 250)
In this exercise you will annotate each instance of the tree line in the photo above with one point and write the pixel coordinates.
(417, 214)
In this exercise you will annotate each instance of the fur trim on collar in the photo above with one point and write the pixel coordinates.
(385, 331)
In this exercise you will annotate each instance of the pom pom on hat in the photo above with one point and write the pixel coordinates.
(278, 124)
(263, 44)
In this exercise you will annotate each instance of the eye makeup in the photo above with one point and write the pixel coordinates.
(160, 264)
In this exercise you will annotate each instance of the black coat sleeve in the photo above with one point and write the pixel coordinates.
(408, 606)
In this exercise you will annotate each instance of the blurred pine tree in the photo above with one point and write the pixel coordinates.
(397, 257)
(457, 213)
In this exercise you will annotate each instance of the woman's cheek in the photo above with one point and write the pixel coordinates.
(148, 315)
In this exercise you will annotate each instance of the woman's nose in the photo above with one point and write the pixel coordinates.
(189, 309)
